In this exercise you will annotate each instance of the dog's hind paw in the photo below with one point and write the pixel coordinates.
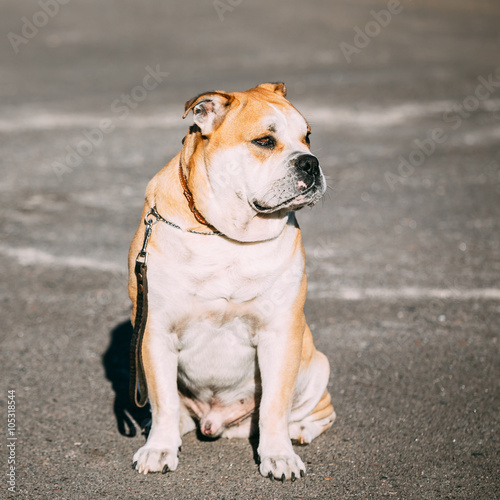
(282, 467)
(154, 460)
(305, 431)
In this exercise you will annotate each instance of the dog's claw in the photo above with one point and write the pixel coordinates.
(283, 478)
(165, 469)
(270, 476)
(293, 478)
(302, 472)
(134, 465)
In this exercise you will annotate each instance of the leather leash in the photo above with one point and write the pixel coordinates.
(137, 375)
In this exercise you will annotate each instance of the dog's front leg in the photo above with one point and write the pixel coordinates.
(279, 352)
(160, 366)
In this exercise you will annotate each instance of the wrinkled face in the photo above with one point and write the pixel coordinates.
(268, 161)
(255, 148)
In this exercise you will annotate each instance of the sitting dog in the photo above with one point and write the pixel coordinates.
(226, 345)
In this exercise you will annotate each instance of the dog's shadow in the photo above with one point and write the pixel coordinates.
(116, 365)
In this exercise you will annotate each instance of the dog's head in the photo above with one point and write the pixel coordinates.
(248, 161)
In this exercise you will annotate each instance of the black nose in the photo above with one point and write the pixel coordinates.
(308, 164)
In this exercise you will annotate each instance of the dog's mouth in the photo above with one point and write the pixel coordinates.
(307, 196)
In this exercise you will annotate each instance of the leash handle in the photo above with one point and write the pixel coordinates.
(137, 375)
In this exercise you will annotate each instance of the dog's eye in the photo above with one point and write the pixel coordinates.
(308, 142)
(265, 142)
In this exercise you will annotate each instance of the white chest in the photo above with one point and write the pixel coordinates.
(205, 271)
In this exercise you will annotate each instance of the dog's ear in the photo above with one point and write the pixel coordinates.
(209, 109)
(276, 87)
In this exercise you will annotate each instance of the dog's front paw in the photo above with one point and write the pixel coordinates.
(282, 467)
(148, 459)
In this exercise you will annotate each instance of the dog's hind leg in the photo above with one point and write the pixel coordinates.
(310, 427)
(312, 411)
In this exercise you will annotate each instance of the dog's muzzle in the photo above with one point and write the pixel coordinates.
(303, 186)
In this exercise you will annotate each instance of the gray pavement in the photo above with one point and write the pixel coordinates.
(403, 254)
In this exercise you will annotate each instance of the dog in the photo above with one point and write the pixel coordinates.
(226, 347)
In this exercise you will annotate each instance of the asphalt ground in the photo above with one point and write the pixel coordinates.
(403, 253)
